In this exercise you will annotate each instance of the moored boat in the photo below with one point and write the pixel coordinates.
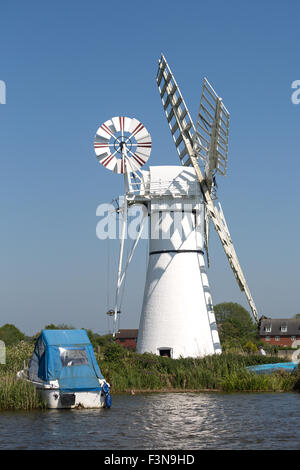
(269, 368)
(64, 371)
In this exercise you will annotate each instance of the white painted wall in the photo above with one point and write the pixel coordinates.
(177, 308)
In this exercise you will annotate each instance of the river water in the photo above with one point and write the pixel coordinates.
(184, 421)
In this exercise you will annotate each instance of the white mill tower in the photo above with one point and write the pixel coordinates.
(177, 317)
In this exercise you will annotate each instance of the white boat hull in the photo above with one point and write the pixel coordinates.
(55, 399)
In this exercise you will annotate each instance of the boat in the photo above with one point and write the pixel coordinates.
(278, 366)
(64, 371)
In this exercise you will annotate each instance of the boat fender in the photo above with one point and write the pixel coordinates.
(105, 390)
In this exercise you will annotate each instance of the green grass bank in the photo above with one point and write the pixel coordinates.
(129, 372)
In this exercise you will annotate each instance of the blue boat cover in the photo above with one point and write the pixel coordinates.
(66, 356)
(269, 368)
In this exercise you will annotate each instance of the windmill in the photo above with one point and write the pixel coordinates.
(177, 317)
(207, 143)
(123, 145)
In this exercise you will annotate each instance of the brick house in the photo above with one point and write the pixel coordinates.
(128, 338)
(280, 331)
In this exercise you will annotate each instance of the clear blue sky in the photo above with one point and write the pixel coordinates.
(68, 67)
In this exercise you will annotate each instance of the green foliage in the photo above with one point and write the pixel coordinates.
(126, 370)
(17, 394)
(269, 348)
(218, 372)
(10, 334)
(250, 347)
(235, 325)
(98, 340)
(59, 327)
(114, 352)
(15, 357)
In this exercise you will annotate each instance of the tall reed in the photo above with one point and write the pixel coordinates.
(226, 372)
(18, 394)
(126, 370)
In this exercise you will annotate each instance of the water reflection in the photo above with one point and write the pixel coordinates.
(162, 421)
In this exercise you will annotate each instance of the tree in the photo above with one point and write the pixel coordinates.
(98, 340)
(58, 327)
(10, 334)
(235, 324)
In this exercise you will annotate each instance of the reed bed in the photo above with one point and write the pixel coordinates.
(17, 394)
(127, 371)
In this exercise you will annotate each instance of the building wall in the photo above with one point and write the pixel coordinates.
(283, 340)
(127, 342)
(177, 313)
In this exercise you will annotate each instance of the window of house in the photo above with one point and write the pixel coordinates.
(293, 338)
(267, 338)
(277, 338)
(268, 329)
(283, 328)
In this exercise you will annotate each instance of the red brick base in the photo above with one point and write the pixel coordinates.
(283, 341)
(129, 343)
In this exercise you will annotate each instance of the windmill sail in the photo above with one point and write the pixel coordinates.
(180, 122)
(206, 235)
(188, 141)
(211, 136)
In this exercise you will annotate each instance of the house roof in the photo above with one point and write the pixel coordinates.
(292, 326)
(127, 334)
